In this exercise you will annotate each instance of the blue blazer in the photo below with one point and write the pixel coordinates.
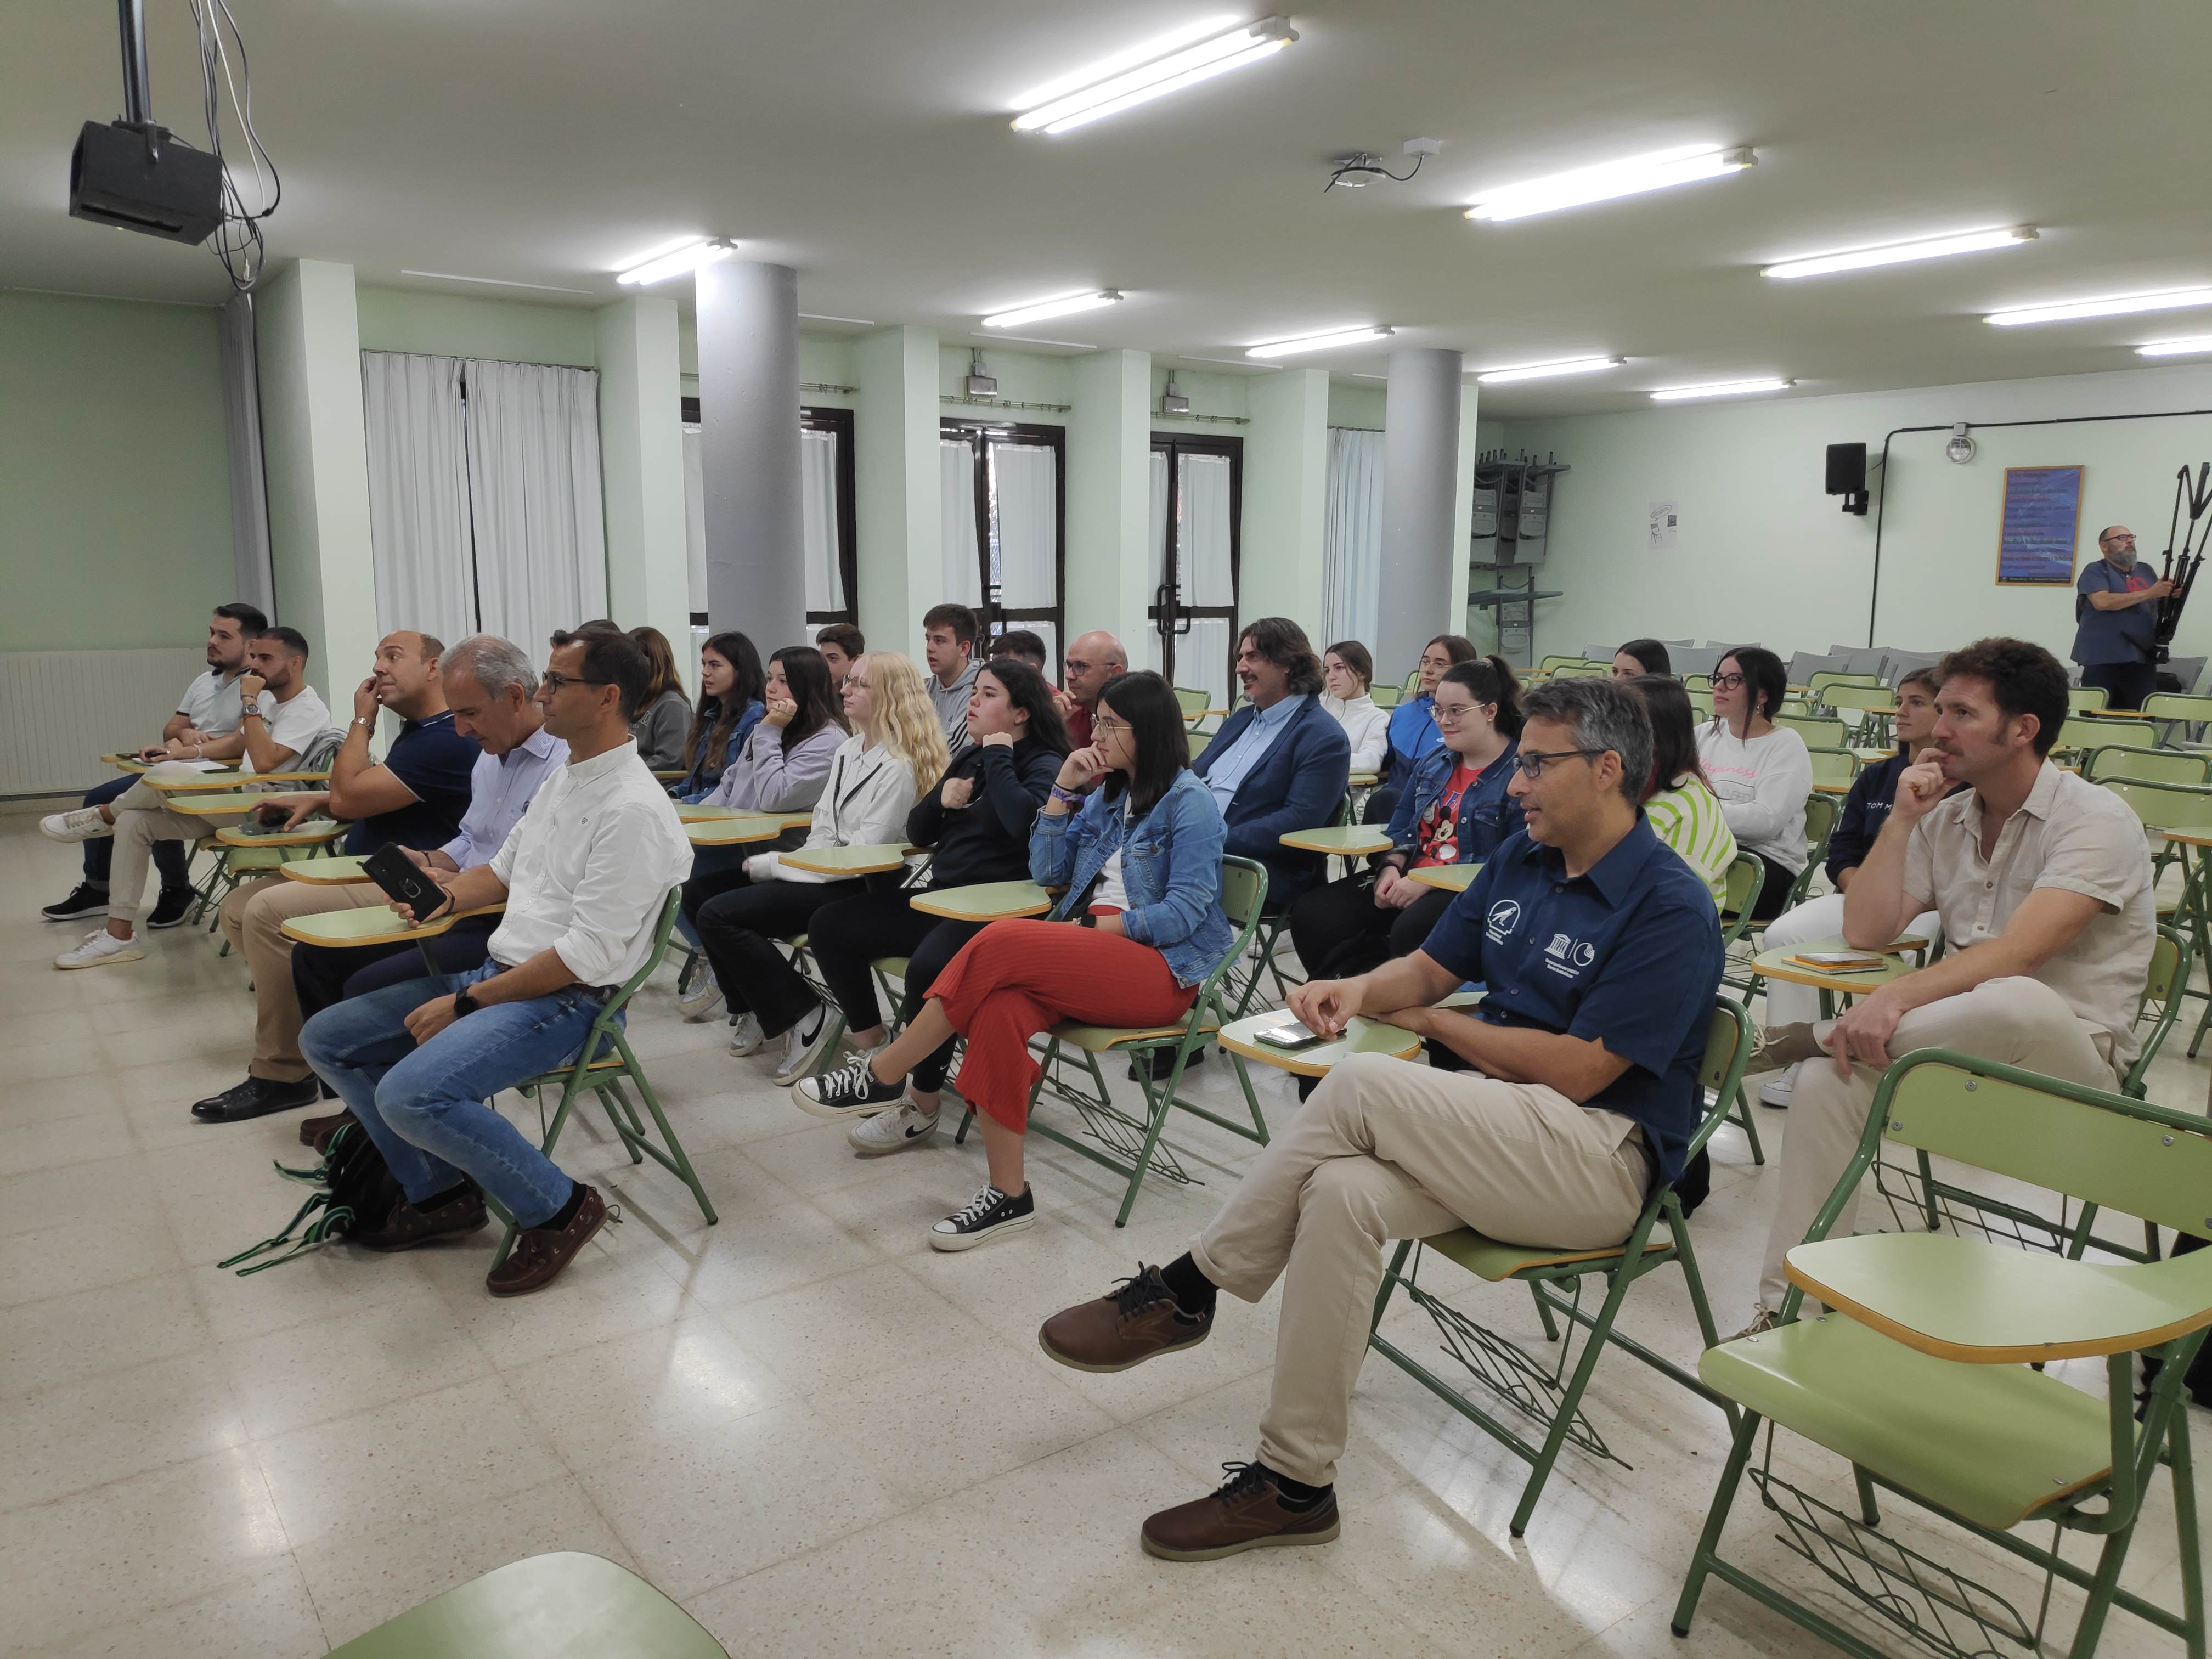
(1170, 865)
(1487, 815)
(1298, 785)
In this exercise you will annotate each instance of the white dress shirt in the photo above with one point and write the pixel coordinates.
(588, 868)
(499, 787)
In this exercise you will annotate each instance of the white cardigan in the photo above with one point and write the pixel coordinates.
(1368, 728)
(864, 804)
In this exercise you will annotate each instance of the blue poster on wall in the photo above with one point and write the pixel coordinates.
(2042, 518)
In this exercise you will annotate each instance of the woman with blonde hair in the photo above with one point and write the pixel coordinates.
(896, 752)
(664, 713)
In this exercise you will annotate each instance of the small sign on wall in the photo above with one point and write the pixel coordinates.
(2042, 521)
(1663, 524)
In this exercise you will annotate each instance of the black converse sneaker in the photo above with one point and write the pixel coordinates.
(850, 1092)
(84, 900)
(990, 1214)
(171, 908)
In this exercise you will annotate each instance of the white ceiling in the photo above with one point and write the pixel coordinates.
(866, 142)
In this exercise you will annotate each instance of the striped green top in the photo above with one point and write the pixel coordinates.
(1687, 817)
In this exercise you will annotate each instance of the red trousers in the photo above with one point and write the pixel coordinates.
(1017, 978)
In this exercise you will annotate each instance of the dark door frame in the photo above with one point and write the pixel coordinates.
(979, 436)
(1166, 612)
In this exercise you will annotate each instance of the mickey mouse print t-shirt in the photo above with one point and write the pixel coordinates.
(1439, 829)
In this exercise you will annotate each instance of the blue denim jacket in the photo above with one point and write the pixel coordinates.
(707, 771)
(1171, 867)
(1487, 813)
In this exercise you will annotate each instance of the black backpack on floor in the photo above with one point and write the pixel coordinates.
(353, 1193)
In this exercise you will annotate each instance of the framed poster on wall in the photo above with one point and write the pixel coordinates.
(2042, 519)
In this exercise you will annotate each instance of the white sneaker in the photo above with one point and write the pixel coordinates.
(745, 1036)
(806, 1045)
(99, 948)
(1780, 1087)
(698, 1004)
(79, 824)
(892, 1132)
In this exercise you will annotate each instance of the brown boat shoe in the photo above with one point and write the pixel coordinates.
(540, 1253)
(316, 1131)
(1248, 1513)
(407, 1226)
(1137, 1320)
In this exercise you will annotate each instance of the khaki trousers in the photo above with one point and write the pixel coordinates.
(141, 818)
(1386, 1149)
(2018, 1021)
(252, 916)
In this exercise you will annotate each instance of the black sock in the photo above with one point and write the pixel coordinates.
(1296, 1494)
(1192, 1291)
(452, 1194)
(567, 1213)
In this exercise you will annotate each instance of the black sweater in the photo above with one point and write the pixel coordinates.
(989, 839)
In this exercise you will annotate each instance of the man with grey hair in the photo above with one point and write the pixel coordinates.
(1560, 1100)
(492, 689)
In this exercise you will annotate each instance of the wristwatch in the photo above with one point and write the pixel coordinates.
(464, 1004)
(251, 706)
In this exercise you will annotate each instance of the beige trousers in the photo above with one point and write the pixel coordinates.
(2018, 1021)
(141, 818)
(1386, 1149)
(253, 914)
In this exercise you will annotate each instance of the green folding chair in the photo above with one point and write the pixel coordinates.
(1834, 766)
(1819, 731)
(2183, 809)
(2087, 699)
(1822, 813)
(1747, 875)
(2083, 732)
(1244, 985)
(1550, 1396)
(543, 1606)
(603, 1062)
(1697, 683)
(1701, 701)
(1816, 684)
(1124, 1142)
(1193, 704)
(2147, 765)
(1924, 1375)
(1387, 696)
(1582, 670)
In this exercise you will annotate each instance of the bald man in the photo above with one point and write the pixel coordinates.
(1093, 658)
(2116, 621)
(414, 797)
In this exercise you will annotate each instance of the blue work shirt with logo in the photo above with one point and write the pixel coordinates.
(1627, 954)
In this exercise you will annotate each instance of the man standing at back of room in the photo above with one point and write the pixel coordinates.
(209, 708)
(1093, 658)
(948, 638)
(2116, 620)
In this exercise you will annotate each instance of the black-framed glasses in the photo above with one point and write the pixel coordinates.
(554, 682)
(1727, 682)
(1532, 762)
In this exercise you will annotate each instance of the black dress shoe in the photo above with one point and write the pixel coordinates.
(256, 1097)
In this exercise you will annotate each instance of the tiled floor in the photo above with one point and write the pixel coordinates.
(817, 1434)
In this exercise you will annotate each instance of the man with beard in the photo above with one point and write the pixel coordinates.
(2115, 616)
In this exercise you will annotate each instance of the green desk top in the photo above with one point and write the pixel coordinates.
(378, 925)
(1452, 877)
(230, 804)
(744, 830)
(326, 871)
(1346, 840)
(845, 860)
(565, 1606)
(1362, 1036)
(992, 901)
(1777, 964)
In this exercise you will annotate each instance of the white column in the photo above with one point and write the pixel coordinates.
(307, 336)
(1109, 500)
(749, 449)
(897, 485)
(641, 459)
(1421, 597)
(1463, 525)
(1282, 573)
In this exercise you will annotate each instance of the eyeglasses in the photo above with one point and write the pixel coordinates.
(1102, 727)
(2114, 541)
(1532, 762)
(1727, 682)
(555, 683)
(1440, 713)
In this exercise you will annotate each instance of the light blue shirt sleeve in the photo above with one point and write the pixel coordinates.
(1225, 774)
(500, 791)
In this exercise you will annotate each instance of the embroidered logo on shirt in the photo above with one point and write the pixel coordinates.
(1567, 956)
(1505, 917)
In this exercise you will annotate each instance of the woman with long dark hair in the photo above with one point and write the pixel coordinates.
(1456, 811)
(732, 685)
(1680, 806)
(1133, 836)
(1413, 730)
(1640, 657)
(664, 714)
(1761, 771)
(977, 821)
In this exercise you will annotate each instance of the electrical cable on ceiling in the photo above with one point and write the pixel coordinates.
(1366, 163)
(238, 241)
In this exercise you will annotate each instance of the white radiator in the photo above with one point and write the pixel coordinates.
(61, 710)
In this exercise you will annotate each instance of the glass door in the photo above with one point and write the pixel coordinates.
(1198, 488)
(1005, 526)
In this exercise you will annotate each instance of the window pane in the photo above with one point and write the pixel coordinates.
(694, 517)
(1202, 535)
(1025, 493)
(963, 581)
(817, 475)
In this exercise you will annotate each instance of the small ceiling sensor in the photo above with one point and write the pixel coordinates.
(1961, 448)
(1363, 168)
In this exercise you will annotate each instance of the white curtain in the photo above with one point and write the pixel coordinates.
(695, 517)
(534, 481)
(1203, 536)
(963, 570)
(1025, 495)
(1353, 552)
(817, 482)
(418, 495)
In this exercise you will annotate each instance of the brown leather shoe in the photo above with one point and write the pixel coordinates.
(540, 1253)
(316, 1131)
(1132, 1322)
(1246, 1514)
(407, 1226)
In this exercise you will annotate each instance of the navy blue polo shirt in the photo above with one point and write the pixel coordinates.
(438, 764)
(2103, 637)
(1627, 954)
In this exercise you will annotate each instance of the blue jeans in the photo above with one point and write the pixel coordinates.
(425, 1107)
(172, 858)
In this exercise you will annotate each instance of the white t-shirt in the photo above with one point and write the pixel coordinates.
(294, 725)
(210, 702)
(1762, 785)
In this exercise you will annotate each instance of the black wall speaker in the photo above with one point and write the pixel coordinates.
(1846, 468)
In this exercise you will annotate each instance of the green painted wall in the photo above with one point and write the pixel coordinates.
(1356, 403)
(113, 473)
(461, 325)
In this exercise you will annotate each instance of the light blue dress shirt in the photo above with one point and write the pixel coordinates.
(1249, 750)
(500, 789)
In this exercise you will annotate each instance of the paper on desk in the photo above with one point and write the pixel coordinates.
(179, 768)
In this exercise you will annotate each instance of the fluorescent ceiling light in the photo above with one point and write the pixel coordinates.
(1718, 389)
(1899, 254)
(1060, 308)
(2118, 306)
(1123, 88)
(1320, 341)
(2176, 348)
(687, 255)
(494, 281)
(1660, 170)
(1541, 371)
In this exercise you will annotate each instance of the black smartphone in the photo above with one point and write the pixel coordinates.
(407, 883)
(1290, 1038)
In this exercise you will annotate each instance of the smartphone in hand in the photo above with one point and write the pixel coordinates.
(1289, 1037)
(404, 881)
